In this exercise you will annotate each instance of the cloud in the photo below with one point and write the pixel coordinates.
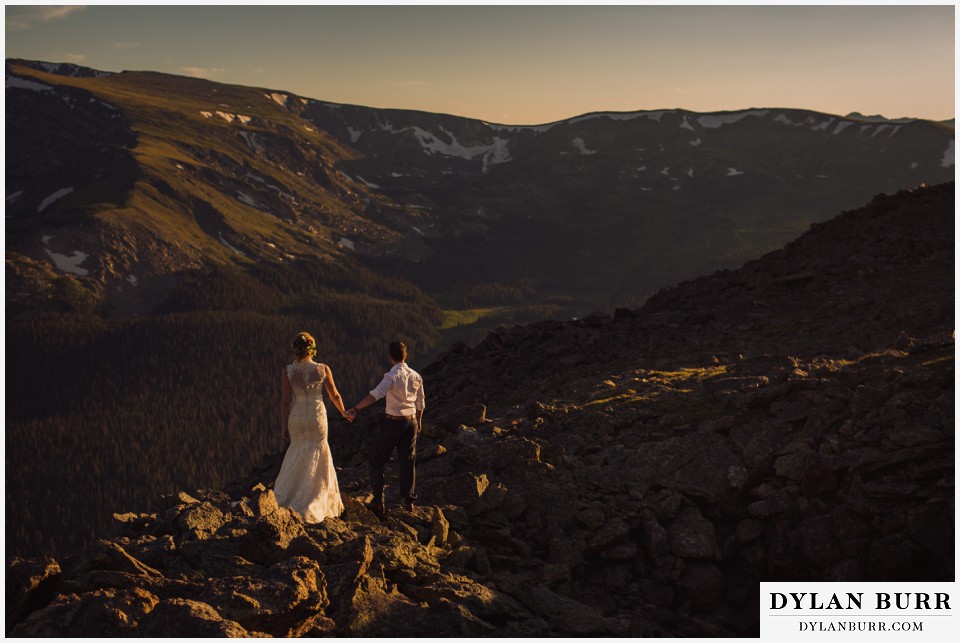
(125, 45)
(202, 72)
(23, 18)
(258, 70)
(75, 58)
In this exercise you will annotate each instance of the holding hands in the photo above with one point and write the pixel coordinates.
(350, 415)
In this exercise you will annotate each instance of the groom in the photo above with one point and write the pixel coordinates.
(403, 388)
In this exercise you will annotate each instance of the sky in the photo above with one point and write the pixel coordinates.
(527, 64)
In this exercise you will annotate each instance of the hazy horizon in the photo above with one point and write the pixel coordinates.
(527, 65)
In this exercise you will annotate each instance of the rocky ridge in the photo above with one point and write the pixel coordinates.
(627, 475)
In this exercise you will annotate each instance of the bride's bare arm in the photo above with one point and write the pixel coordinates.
(332, 391)
(285, 397)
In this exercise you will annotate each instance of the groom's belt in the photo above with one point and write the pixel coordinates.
(400, 417)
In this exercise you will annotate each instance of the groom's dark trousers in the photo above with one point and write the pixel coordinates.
(402, 436)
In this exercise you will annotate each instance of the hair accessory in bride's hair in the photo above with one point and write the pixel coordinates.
(305, 344)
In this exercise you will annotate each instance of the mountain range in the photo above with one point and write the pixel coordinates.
(128, 180)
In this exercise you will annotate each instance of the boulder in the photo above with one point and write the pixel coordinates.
(266, 537)
(200, 520)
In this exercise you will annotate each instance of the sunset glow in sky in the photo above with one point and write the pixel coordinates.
(527, 64)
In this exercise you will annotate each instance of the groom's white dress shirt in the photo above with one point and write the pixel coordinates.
(403, 388)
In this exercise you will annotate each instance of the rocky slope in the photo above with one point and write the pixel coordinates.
(631, 475)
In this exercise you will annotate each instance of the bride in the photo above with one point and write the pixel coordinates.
(307, 481)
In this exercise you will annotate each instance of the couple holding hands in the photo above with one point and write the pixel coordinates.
(307, 481)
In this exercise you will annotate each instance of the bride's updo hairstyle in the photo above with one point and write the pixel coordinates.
(304, 345)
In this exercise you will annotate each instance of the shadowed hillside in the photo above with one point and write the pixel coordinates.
(633, 475)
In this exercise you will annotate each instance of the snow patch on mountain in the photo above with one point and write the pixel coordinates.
(12, 198)
(823, 125)
(354, 134)
(695, 142)
(948, 154)
(732, 171)
(56, 196)
(686, 125)
(23, 83)
(537, 129)
(132, 279)
(499, 153)
(492, 154)
(580, 145)
(842, 125)
(246, 198)
(251, 140)
(279, 99)
(70, 264)
(346, 243)
(227, 244)
(367, 183)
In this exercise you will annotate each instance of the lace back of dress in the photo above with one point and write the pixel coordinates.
(306, 378)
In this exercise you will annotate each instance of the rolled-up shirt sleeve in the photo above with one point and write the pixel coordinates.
(420, 397)
(381, 389)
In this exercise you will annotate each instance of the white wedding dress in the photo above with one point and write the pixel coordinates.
(307, 481)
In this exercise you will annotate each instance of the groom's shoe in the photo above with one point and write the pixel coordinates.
(376, 508)
(408, 505)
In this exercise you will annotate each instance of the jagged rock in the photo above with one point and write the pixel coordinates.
(695, 464)
(111, 556)
(866, 399)
(262, 503)
(177, 617)
(462, 489)
(31, 584)
(563, 614)
(267, 537)
(376, 611)
(466, 415)
(613, 531)
(702, 585)
(487, 604)
(779, 503)
(216, 557)
(439, 528)
(101, 613)
(819, 544)
(179, 498)
(285, 601)
(693, 536)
